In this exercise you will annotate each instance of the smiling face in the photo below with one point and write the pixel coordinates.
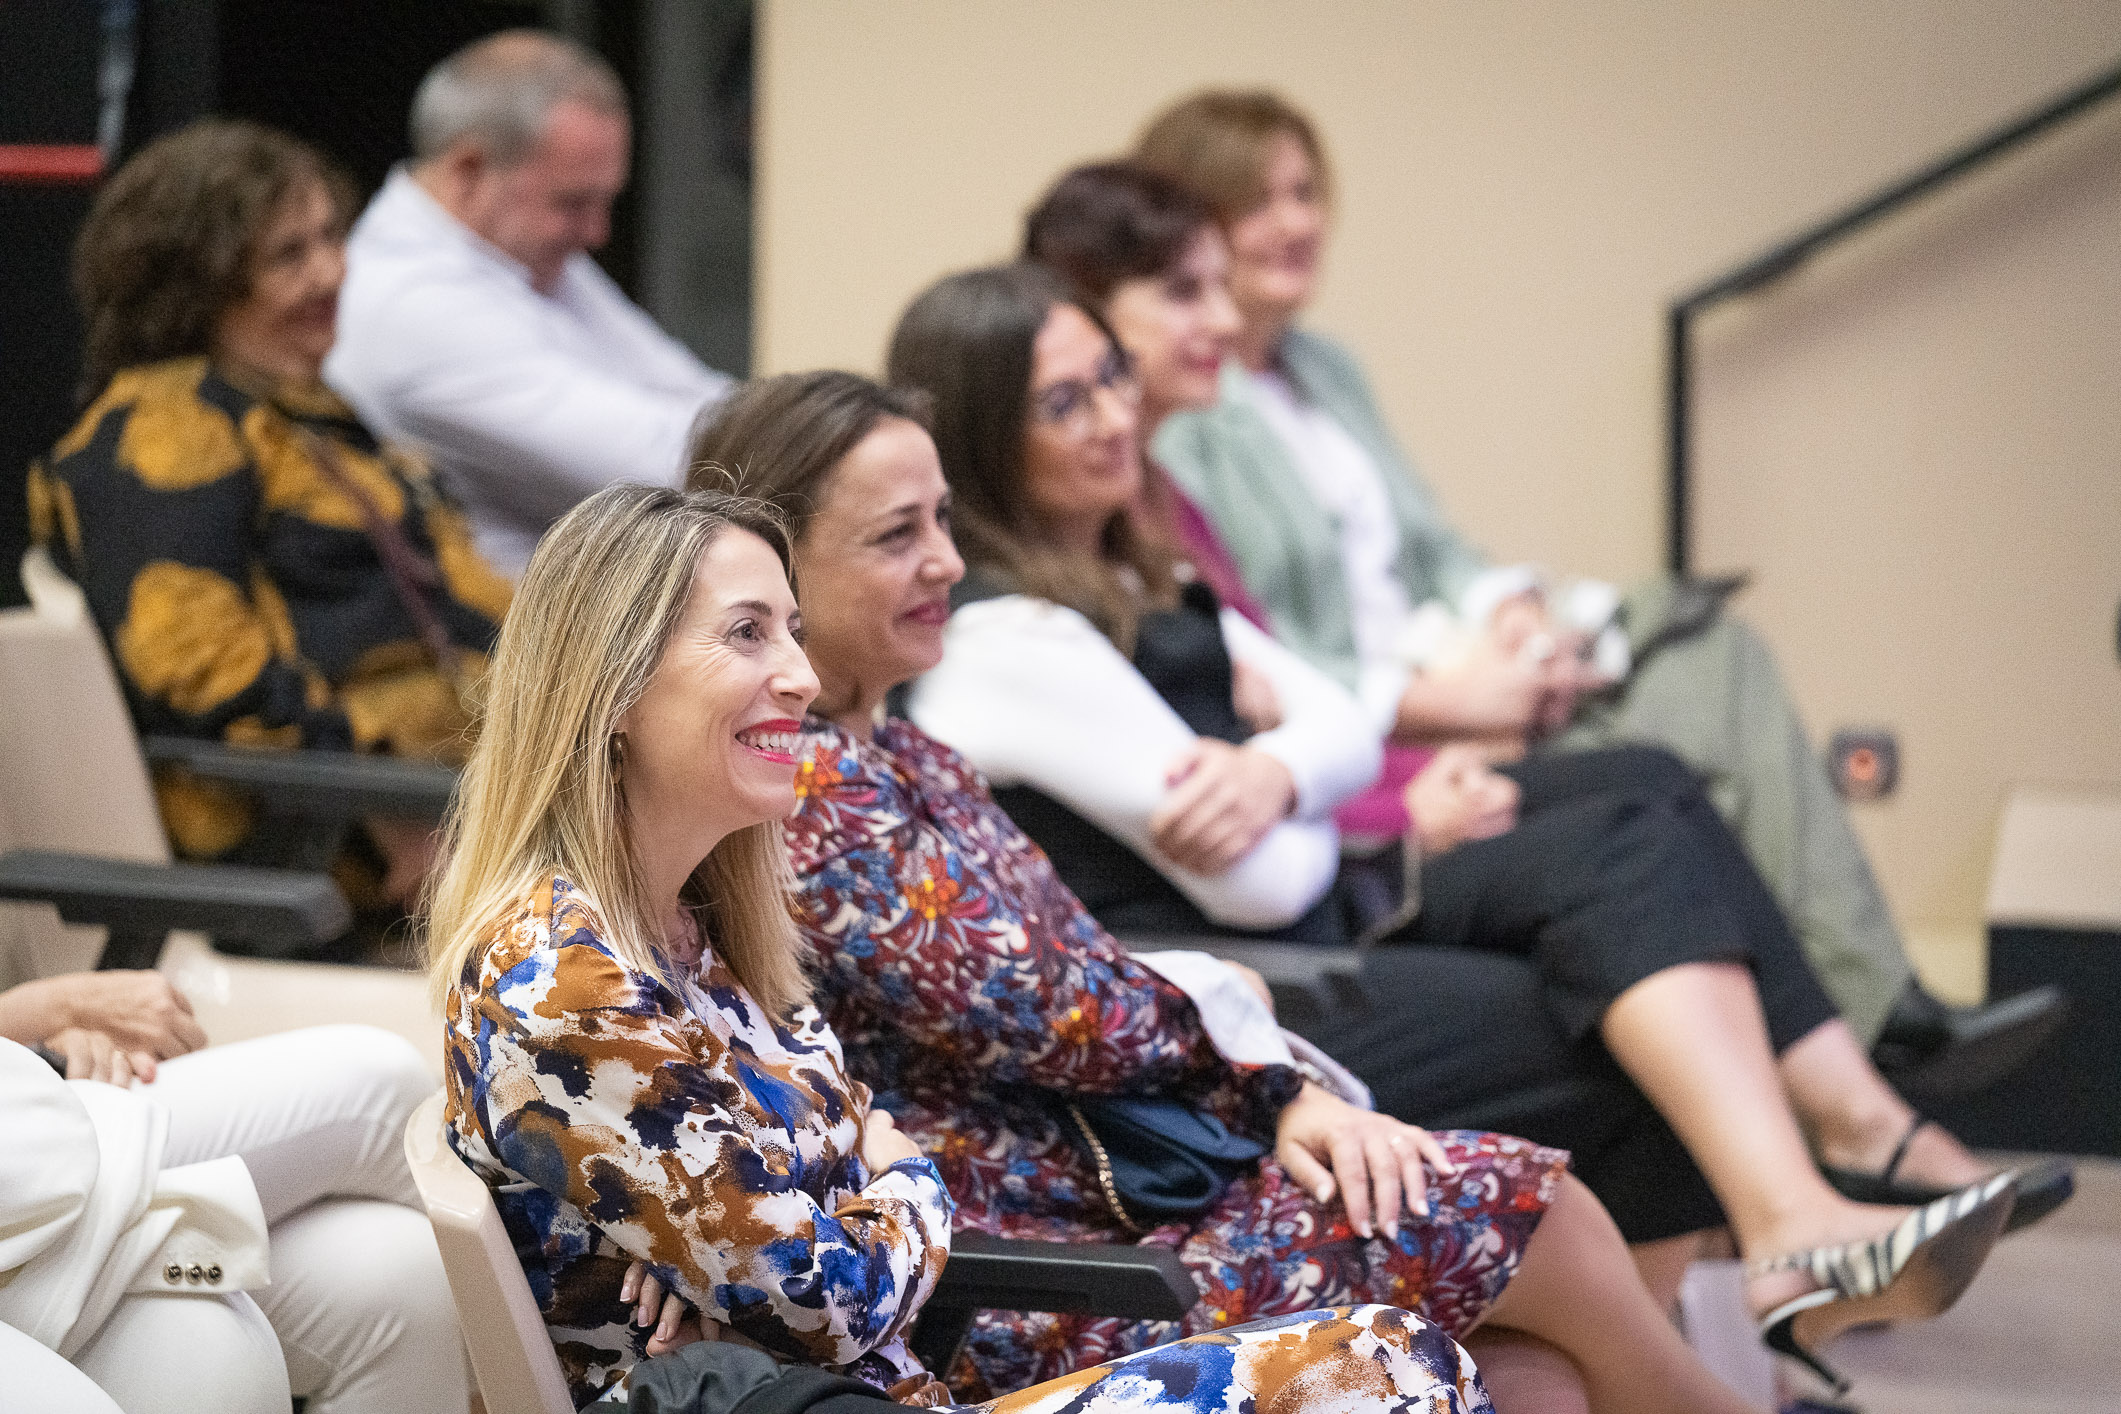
(877, 566)
(1276, 247)
(557, 199)
(1178, 327)
(283, 326)
(1082, 463)
(712, 740)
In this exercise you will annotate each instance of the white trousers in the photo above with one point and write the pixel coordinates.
(358, 1299)
(190, 1353)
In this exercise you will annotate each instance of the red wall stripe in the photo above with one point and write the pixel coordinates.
(50, 162)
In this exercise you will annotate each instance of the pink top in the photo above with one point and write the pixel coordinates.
(1380, 809)
(1204, 550)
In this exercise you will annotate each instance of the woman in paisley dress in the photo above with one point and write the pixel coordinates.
(633, 1062)
(964, 979)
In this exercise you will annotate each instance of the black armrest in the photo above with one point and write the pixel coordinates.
(1106, 1279)
(1006, 1274)
(326, 785)
(274, 910)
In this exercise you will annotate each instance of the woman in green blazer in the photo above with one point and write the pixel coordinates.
(1337, 535)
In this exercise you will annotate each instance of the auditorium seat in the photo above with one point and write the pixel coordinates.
(74, 782)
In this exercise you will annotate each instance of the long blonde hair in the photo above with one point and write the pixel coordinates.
(542, 794)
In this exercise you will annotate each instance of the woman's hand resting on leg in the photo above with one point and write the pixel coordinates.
(1372, 1160)
(137, 1010)
(1458, 797)
(92, 1055)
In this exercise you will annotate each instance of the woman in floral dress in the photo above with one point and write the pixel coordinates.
(633, 1062)
(964, 979)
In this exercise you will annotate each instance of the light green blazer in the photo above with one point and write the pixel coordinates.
(1229, 460)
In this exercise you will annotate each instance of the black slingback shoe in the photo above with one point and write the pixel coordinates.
(1913, 1272)
(2042, 1187)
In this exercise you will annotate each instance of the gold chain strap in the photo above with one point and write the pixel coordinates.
(1104, 1172)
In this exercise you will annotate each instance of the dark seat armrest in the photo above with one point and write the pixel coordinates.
(1104, 1279)
(275, 910)
(1006, 1274)
(319, 785)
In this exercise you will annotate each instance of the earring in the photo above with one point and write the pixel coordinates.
(618, 748)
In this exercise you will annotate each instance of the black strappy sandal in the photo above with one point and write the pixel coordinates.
(2042, 1187)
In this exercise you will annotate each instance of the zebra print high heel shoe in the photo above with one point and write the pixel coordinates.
(1913, 1272)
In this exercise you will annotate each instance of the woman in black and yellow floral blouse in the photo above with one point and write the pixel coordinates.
(264, 571)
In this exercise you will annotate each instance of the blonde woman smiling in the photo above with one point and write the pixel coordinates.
(634, 1064)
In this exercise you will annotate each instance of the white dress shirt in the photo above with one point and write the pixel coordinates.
(1033, 694)
(526, 402)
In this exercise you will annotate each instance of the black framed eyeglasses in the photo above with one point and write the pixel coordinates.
(1072, 403)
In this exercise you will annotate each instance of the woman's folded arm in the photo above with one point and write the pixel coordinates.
(597, 1097)
(1034, 695)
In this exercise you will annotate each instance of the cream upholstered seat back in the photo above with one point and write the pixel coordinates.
(72, 778)
(510, 1350)
(71, 774)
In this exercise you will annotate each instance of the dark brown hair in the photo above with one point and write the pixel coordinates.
(967, 341)
(1215, 144)
(167, 247)
(779, 438)
(1110, 222)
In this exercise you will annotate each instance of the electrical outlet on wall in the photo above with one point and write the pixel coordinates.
(1864, 762)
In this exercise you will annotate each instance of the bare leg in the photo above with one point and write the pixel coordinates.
(1856, 1120)
(1662, 1265)
(1693, 1038)
(1577, 1290)
(1526, 1375)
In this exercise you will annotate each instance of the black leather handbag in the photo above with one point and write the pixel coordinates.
(1157, 1161)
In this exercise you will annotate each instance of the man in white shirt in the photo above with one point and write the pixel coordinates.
(473, 323)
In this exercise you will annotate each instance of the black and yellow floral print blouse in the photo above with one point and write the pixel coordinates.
(233, 576)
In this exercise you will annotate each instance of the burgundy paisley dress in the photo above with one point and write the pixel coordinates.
(961, 977)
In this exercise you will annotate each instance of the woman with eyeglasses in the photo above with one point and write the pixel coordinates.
(1074, 639)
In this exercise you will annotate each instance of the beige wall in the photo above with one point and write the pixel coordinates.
(1524, 187)
(1917, 446)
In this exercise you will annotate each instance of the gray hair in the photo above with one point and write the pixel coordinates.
(500, 90)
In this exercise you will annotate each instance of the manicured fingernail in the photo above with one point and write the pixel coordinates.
(1392, 1228)
(1364, 1229)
